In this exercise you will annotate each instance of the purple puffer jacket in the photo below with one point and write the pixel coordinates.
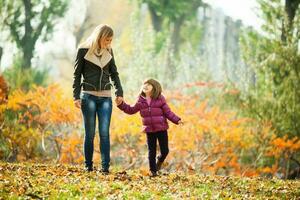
(154, 116)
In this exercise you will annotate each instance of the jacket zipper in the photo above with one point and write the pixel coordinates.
(100, 75)
(100, 78)
(149, 108)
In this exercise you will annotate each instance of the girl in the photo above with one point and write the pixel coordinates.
(95, 63)
(154, 112)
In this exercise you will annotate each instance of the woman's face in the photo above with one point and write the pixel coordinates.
(147, 88)
(105, 42)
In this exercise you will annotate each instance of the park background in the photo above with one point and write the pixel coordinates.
(234, 83)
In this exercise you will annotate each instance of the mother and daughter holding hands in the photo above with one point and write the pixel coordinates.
(94, 67)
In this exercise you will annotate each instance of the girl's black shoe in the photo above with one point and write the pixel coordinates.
(88, 169)
(104, 171)
(158, 165)
(153, 174)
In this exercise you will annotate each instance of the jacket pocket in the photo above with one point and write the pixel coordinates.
(88, 86)
(107, 86)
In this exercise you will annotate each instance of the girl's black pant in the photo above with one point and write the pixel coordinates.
(162, 137)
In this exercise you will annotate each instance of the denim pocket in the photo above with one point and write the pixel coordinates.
(84, 98)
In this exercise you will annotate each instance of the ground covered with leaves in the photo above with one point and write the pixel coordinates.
(38, 181)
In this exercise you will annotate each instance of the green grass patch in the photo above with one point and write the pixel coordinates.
(38, 181)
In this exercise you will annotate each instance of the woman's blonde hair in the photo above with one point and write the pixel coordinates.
(156, 90)
(92, 42)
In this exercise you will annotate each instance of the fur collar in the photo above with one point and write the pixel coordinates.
(101, 58)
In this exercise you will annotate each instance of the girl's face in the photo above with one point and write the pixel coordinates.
(147, 89)
(105, 42)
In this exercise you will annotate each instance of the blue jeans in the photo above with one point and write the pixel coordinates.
(102, 106)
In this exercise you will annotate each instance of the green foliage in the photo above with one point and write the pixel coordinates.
(173, 10)
(43, 13)
(271, 92)
(25, 79)
(160, 40)
(141, 57)
(192, 34)
(171, 16)
(28, 21)
(274, 93)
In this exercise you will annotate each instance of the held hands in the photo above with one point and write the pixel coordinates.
(119, 100)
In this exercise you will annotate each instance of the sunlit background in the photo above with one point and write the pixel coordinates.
(229, 68)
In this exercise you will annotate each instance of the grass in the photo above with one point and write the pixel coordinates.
(46, 181)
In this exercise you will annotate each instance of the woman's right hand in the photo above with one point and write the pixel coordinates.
(119, 100)
(77, 103)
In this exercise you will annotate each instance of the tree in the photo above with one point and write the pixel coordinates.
(291, 7)
(168, 18)
(274, 56)
(1, 52)
(276, 64)
(172, 15)
(29, 20)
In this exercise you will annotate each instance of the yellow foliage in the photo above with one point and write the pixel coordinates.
(71, 151)
(50, 103)
(31, 116)
(210, 140)
(207, 131)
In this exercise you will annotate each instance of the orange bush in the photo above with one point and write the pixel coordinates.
(210, 141)
(32, 117)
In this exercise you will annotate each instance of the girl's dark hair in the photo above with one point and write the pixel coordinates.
(156, 90)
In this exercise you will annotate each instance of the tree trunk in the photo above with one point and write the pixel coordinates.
(79, 32)
(86, 25)
(173, 49)
(291, 7)
(1, 52)
(28, 42)
(27, 54)
(175, 38)
(156, 20)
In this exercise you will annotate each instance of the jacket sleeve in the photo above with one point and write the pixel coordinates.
(168, 113)
(129, 109)
(115, 77)
(79, 63)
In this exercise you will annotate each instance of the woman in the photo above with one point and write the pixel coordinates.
(95, 63)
